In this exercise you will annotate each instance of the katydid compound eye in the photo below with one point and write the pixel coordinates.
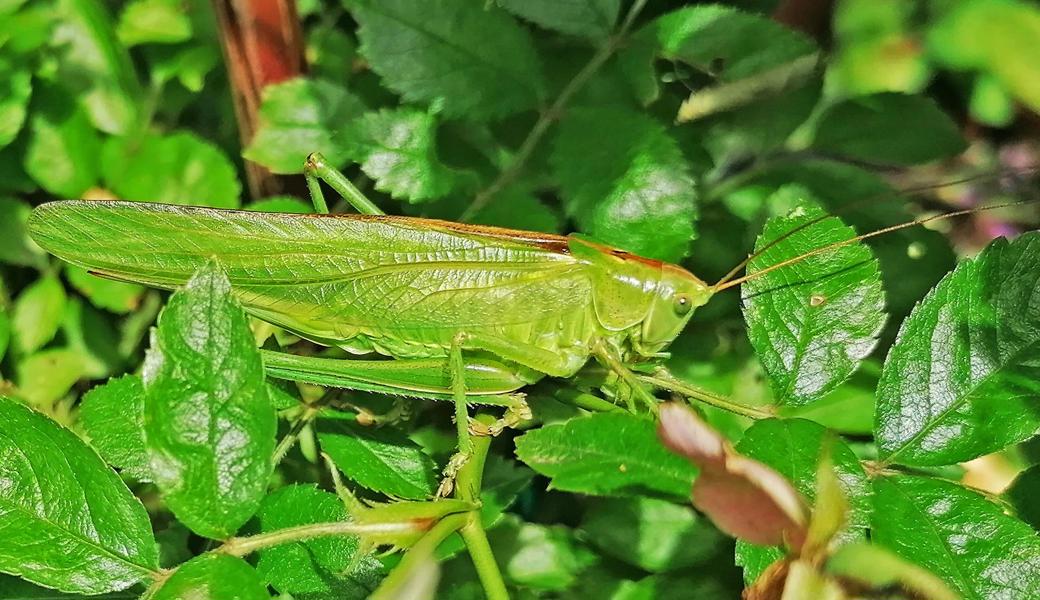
(682, 305)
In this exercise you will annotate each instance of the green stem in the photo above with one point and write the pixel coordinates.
(241, 546)
(418, 554)
(667, 381)
(585, 400)
(553, 114)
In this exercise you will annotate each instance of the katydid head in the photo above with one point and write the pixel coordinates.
(678, 294)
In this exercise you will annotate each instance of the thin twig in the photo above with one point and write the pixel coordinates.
(242, 546)
(666, 381)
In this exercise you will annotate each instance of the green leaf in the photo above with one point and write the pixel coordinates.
(315, 569)
(282, 204)
(189, 64)
(15, 246)
(812, 322)
(1022, 494)
(64, 149)
(213, 577)
(301, 116)
(397, 148)
(606, 454)
(153, 22)
(179, 168)
(518, 208)
(69, 522)
(91, 334)
(37, 314)
(632, 188)
(794, 447)
(116, 296)
(476, 62)
(15, 89)
(654, 535)
(959, 535)
(915, 130)
(587, 18)
(961, 380)
(383, 460)
(112, 416)
(46, 376)
(208, 422)
(537, 556)
(5, 332)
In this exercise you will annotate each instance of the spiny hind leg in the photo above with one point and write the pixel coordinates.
(609, 356)
(318, 169)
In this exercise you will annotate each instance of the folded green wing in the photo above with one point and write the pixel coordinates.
(332, 278)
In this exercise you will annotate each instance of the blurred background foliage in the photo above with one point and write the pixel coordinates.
(669, 141)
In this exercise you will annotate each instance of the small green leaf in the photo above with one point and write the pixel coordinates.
(477, 63)
(213, 577)
(916, 130)
(315, 568)
(15, 89)
(383, 460)
(587, 18)
(153, 22)
(180, 168)
(606, 454)
(93, 336)
(64, 150)
(537, 556)
(112, 416)
(46, 376)
(957, 534)
(188, 63)
(15, 246)
(37, 314)
(960, 380)
(69, 522)
(812, 322)
(116, 296)
(208, 422)
(1022, 494)
(301, 116)
(794, 447)
(397, 148)
(654, 535)
(632, 188)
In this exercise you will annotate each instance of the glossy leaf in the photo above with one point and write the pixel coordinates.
(316, 568)
(213, 577)
(917, 131)
(794, 448)
(383, 460)
(475, 63)
(208, 422)
(301, 116)
(960, 380)
(966, 540)
(587, 18)
(37, 314)
(112, 416)
(811, 322)
(630, 189)
(606, 454)
(69, 522)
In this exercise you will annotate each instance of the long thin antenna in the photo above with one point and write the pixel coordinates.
(859, 238)
(721, 284)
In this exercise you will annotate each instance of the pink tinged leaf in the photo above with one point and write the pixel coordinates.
(743, 497)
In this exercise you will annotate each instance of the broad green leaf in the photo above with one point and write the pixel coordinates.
(916, 130)
(475, 62)
(69, 522)
(961, 380)
(397, 148)
(112, 416)
(116, 296)
(316, 568)
(301, 116)
(63, 151)
(794, 447)
(537, 556)
(15, 89)
(811, 322)
(153, 22)
(587, 18)
(179, 168)
(957, 534)
(383, 460)
(213, 577)
(46, 376)
(654, 535)
(16, 588)
(1022, 494)
(208, 422)
(630, 189)
(15, 246)
(606, 454)
(37, 314)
